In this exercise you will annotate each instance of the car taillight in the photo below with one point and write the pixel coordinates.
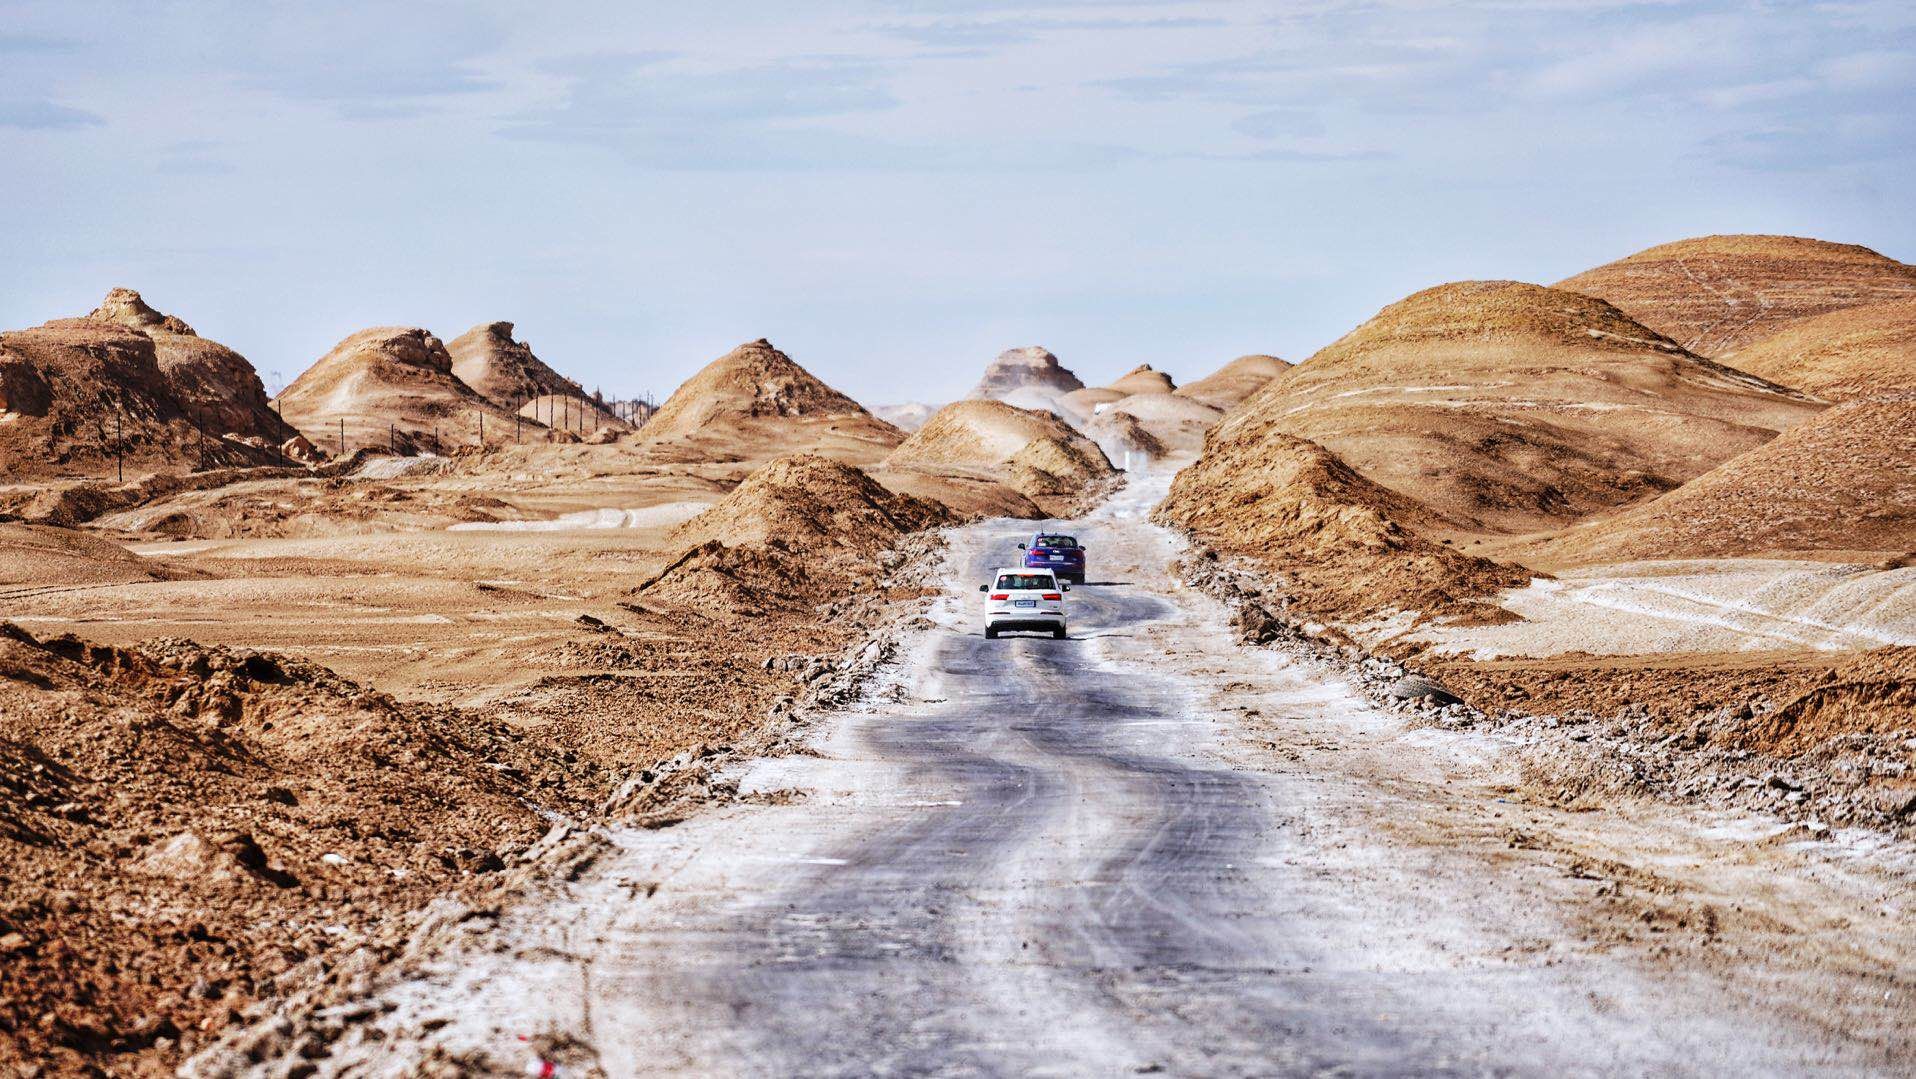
(1001, 595)
(1054, 595)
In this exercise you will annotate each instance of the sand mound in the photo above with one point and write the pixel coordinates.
(391, 386)
(906, 417)
(754, 403)
(1716, 295)
(1512, 407)
(795, 531)
(812, 502)
(175, 815)
(43, 557)
(76, 392)
(1035, 453)
(1842, 481)
(214, 385)
(1874, 693)
(1143, 379)
(1028, 368)
(1343, 547)
(1235, 381)
(505, 371)
(1855, 352)
(1176, 424)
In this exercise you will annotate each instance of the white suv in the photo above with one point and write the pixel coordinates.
(1024, 599)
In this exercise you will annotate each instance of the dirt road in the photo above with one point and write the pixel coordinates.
(1147, 849)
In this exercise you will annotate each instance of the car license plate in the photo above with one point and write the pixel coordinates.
(1057, 558)
(1024, 603)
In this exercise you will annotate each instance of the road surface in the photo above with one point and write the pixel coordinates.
(1147, 849)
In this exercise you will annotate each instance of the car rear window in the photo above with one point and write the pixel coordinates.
(1010, 581)
(1065, 542)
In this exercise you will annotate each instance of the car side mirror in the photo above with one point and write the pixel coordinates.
(1064, 587)
(984, 588)
(1021, 547)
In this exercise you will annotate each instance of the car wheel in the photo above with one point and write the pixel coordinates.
(1058, 634)
(991, 633)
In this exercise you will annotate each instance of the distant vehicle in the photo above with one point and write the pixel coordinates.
(1056, 552)
(1028, 599)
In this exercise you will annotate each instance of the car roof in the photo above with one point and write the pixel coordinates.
(1021, 571)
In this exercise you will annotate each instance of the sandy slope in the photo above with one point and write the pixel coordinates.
(754, 404)
(505, 371)
(1843, 481)
(1035, 454)
(1511, 407)
(1235, 381)
(1717, 295)
(1855, 352)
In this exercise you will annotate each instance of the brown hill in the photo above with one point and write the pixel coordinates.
(1842, 481)
(1028, 369)
(1176, 424)
(1144, 379)
(1512, 407)
(1082, 406)
(391, 385)
(1033, 452)
(809, 502)
(1855, 352)
(216, 386)
(799, 531)
(754, 403)
(1235, 381)
(505, 371)
(76, 393)
(1342, 547)
(1716, 295)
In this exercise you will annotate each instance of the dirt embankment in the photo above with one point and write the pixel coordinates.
(1717, 295)
(1341, 547)
(180, 824)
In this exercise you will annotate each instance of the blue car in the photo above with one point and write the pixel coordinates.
(1056, 552)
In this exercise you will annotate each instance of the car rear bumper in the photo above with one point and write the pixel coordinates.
(1026, 620)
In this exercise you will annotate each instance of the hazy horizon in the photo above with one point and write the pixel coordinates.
(894, 193)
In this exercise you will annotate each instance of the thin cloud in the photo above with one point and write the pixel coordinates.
(39, 114)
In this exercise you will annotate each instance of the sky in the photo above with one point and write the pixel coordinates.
(894, 192)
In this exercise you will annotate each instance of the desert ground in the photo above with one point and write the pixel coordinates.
(1519, 684)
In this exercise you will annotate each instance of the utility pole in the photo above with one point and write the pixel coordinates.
(342, 437)
(482, 430)
(392, 439)
(119, 444)
(200, 422)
